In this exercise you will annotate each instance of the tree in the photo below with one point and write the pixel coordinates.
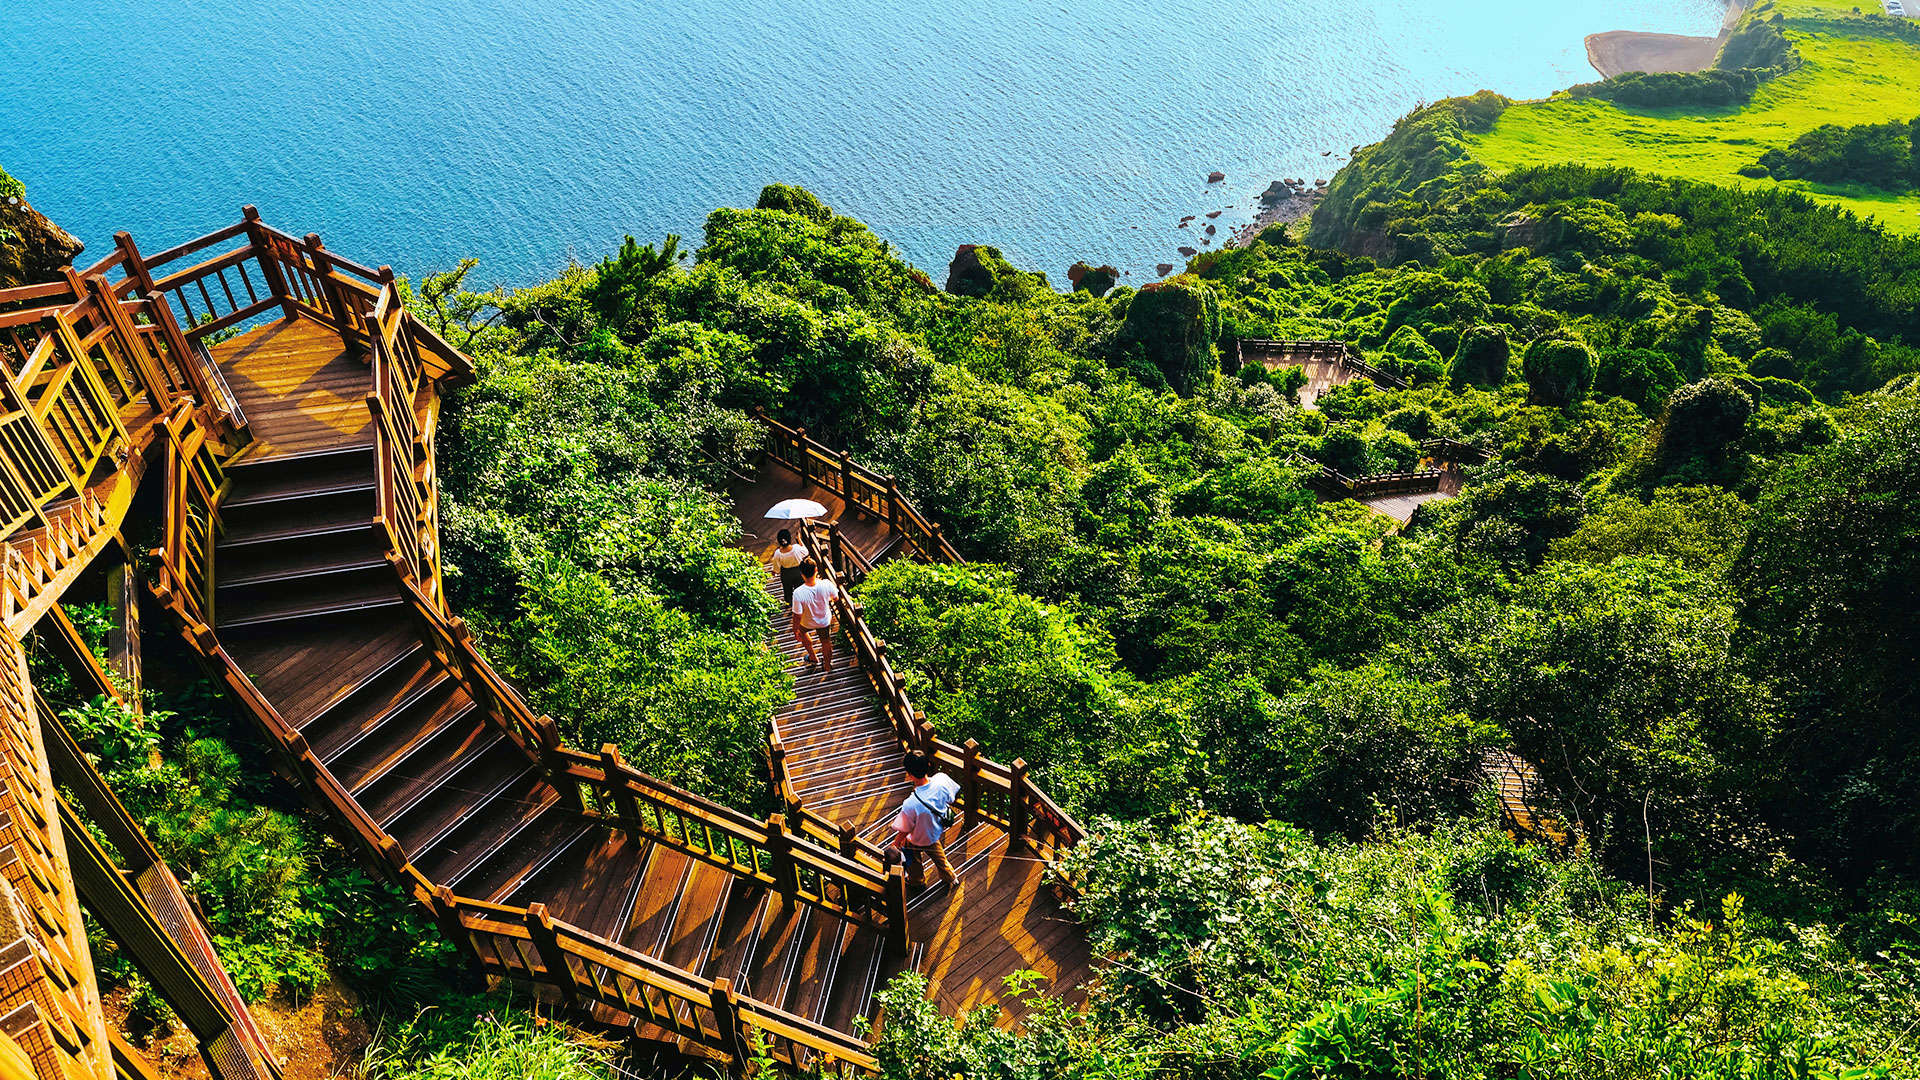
(794, 200)
(1481, 359)
(1828, 583)
(981, 271)
(1702, 419)
(1174, 324)
(1620, 685)
(1558, 371)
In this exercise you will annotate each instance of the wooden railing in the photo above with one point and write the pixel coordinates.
(48, 979)
(1453, 451)
(1303, 352)
(403, 439)
(1001, 795)
(851, 883)
(531, 945)
(195, 484)
(865, 491)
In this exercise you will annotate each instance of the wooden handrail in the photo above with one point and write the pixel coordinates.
(866, 492)
(1000, 795)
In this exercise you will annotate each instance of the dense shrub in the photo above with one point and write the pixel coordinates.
(1482, 357)
(1878, 155)
(1558, 370)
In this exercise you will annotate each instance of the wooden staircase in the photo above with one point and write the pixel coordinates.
(304, 569)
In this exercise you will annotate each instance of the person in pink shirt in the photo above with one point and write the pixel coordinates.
(921, 826)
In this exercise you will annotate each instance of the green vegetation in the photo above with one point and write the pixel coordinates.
(1877, 155)
(289, 908)
(1855, 70)
(1678, 590)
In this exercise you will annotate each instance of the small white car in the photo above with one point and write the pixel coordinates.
(1895, 8)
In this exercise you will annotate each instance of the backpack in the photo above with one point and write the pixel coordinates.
(946, 817)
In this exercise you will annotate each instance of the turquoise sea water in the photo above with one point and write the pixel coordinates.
(526, 132)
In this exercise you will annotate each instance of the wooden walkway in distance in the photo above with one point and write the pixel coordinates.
(844, 759)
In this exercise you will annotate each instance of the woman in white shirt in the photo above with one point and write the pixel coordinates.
(786, 558)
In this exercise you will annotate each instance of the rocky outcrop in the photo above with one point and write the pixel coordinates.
(32, 248)
(1093, 279)
(1216, 176)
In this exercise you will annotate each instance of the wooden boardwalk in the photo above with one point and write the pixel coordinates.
(309, 607)
(844, 760)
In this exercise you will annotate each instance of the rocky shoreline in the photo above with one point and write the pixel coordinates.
(1283, 203)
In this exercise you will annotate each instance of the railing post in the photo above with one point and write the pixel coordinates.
(547, 942)
(786, 873)
(777, 770)
(1017, 802)
(330, 289)
(846, 480)
(893, 502)
(970, 786)
(616, 769)
(836, 555)
(899, 934)
(803, 459)
(446, 912)
(269, 264)
(849, 839)
(726, 1021)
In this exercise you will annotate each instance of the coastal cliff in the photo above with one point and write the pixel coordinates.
(32, 248)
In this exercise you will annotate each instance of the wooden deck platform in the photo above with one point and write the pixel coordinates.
(311, 611)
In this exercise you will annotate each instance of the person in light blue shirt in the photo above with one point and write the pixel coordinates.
(921, 827)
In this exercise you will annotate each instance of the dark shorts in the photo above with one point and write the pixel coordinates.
(790, 579)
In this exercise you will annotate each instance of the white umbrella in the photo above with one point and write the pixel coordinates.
(796, 509)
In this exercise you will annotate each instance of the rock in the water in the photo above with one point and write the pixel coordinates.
(1182, 225)
(1211, 230)
(1164, 269)
(32, 249)
(1213, 213)
(979, 270)
(1216, 176)
(1278, 191)
(1189, 252)
(1320, 183)
(1094, 279)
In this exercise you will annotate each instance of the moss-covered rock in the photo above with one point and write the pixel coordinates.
(1093, 279)
(32, 248)
(1558, 369)
(794, 200)
(1173, 325)
(979, 270)
(1481, 358)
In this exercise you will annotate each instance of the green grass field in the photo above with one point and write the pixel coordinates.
(1848, 78)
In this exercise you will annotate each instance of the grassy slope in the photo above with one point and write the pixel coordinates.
(1853, 78)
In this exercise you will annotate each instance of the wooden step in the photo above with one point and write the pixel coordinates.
(405, 667)
(369, 596)
(295, 489)
(538, 846)
(266, 589)
(408, 748)
(524, 825)
(280, 519)
(659, 904)
(265, 470)
(459, 792)
(393, 687)
(296, 564)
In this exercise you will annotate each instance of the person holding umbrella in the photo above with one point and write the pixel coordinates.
(809, 599)
(786, 558)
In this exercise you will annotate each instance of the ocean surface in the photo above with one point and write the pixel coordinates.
(528, 132)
